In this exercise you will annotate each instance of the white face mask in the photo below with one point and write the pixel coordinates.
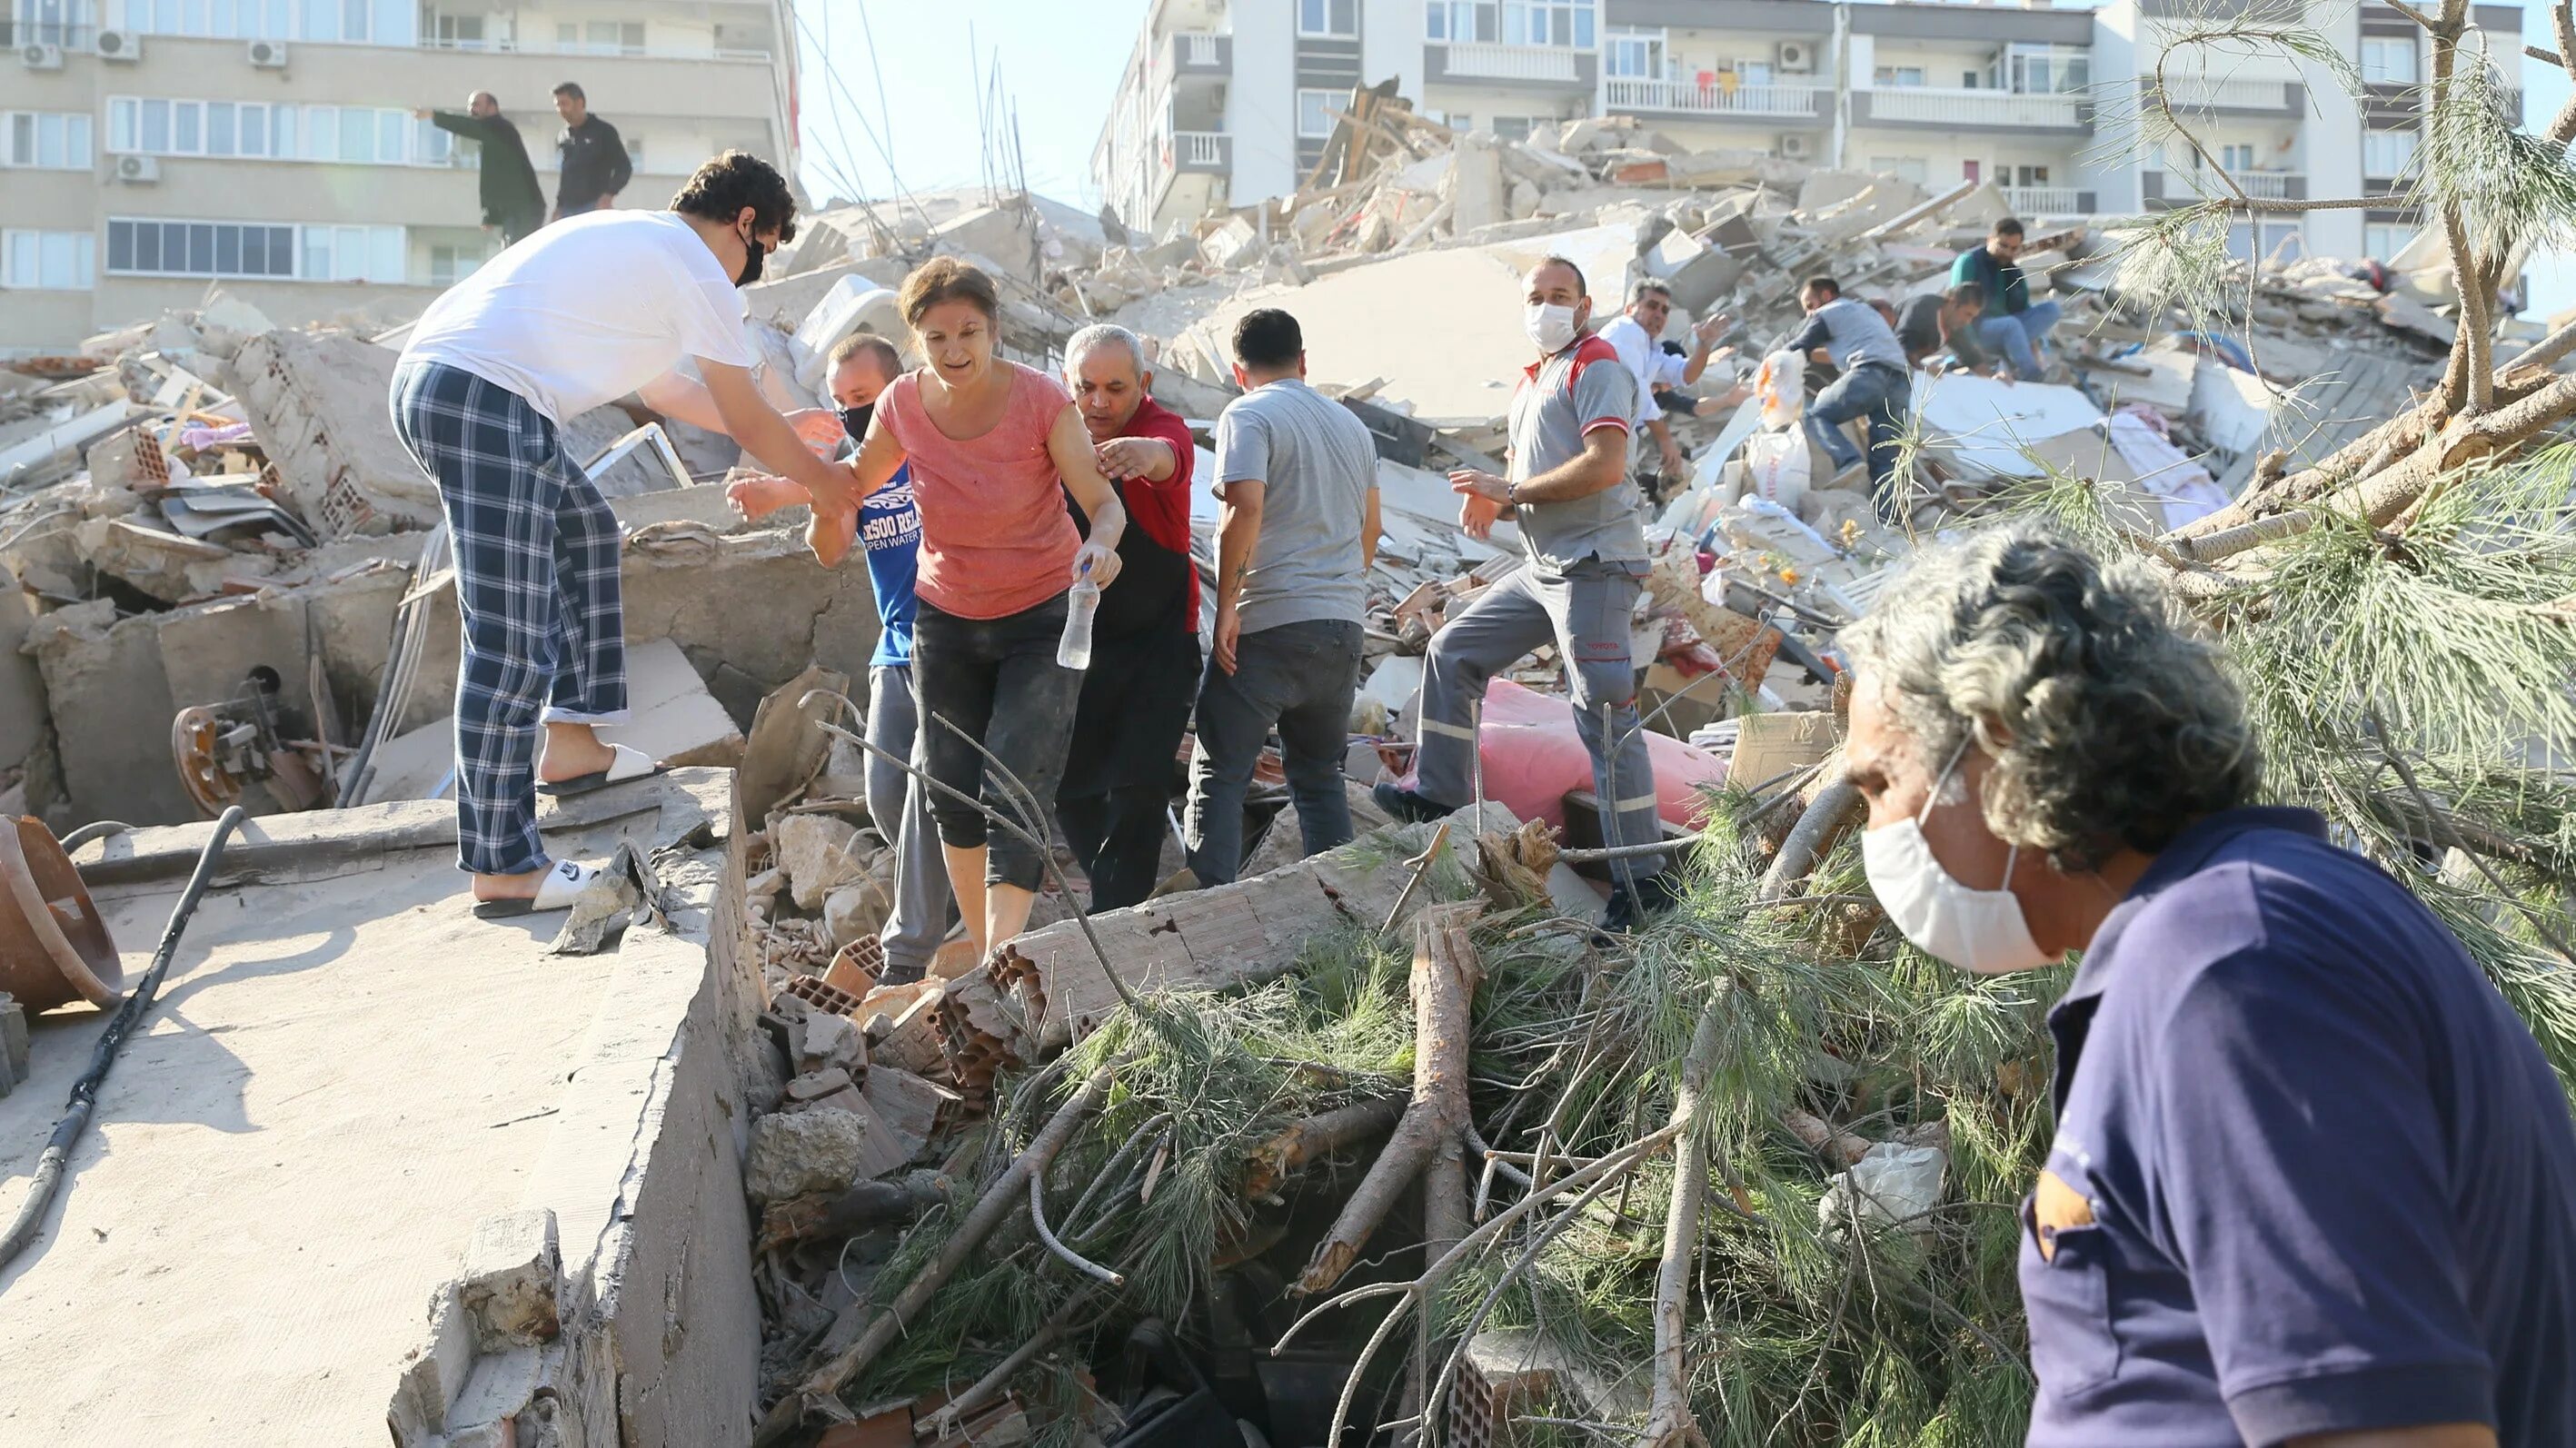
(1550, 327)
(1978, 930)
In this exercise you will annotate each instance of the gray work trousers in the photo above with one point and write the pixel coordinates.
(1585, 612)
(900, 805)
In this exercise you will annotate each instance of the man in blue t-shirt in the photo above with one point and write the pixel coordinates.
(2313, 1181)
(890, 535)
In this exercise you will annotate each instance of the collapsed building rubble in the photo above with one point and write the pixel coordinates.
(213, 537)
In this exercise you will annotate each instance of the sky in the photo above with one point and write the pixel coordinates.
(1060, 64)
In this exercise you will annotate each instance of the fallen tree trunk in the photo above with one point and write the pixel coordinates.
(1284, 1155)
(1669, 1423)
(1810, 838)
(1005, 1197)
(1444, 990)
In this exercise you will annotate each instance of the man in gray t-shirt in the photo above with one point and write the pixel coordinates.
(1577, 510)
(1297, 478)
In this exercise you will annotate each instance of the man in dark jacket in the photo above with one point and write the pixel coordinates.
(2013, 324)
(512, 200)
(592, 154)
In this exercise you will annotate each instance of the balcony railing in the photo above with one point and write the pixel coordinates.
(1631, 93)
(2187, 184)
(1946, 105)
(1199, 150)
(2045, 200)
(1198, 48)
(1513, 62)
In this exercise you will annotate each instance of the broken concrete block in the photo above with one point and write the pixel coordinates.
(432, 1375)
(858, 910)
(911, 1107)
(165, 565)
(676, 720)
(1697, 273)
(512, 1284)
(1474, 186)
(316, 402)
(805, 1151)
(1230, 245)
(832, 1041)
(815, 1085)
(501, 1387)
(787, 744)
(820, 853)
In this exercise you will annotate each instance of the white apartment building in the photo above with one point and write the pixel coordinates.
(149, 148)
(1226, 102)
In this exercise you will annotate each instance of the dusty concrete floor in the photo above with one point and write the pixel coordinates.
(342, 1074)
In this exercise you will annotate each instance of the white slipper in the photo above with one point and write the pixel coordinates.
(562, 885)
(624, 764)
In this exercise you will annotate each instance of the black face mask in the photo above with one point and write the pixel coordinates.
(854, 421)
(750, 263)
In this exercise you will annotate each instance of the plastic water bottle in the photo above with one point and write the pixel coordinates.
(1073, 651)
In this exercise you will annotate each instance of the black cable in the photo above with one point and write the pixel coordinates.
(48, 1178)
(98, 830)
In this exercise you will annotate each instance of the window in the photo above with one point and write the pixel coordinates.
(53, 261)
(1463, 21)
(200, 249)
(1548, 22)
(1312, 122)
(47, 140)
(1911, 168)
(1518, 128)
(2382, 241)
(455, 32)
(1630, 54)
(2045, 69)
(2388, 60)
(2236, 158)
(449, 264)
(2386, 155)
(1898, 75)
(351, 254)
(53, 22)
(2277, 241)
(1328, 17)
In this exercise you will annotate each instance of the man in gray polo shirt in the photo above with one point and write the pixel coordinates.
(1297, 477)
(1570, 494)
(1876, 386)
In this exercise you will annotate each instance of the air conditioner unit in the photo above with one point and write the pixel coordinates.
(41, 57)
(138, 170)
(1796, 147)
(268, 55)
(124, 45)
(1795, 57)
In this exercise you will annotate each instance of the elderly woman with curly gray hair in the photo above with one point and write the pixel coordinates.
(2313, 1181)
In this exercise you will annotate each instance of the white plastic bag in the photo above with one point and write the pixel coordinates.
(1776, 467)
(1782, 387)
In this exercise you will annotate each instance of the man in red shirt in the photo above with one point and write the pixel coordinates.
(1144, 673)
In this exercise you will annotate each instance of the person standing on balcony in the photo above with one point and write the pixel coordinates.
(592, 156)
(513, 203)
(2013, 324)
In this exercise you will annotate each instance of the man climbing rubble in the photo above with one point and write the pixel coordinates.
(1637, 336)
(1297, 481)
(1875, 387)
(1577, 510)
(1945, 323)
(2011, 324)
(1115, 799)
(578, 315)
(2313, 1180)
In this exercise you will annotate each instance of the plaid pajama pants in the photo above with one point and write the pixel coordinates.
(536, 582)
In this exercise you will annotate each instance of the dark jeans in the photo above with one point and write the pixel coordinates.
(1300, 677)
(1118, 838)
(996, 679)
(1878, 394)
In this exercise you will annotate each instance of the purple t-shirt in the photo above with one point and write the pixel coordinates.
(2329, 1176)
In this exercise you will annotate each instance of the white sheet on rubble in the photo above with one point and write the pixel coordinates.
(2186, 488)
(1983, 423)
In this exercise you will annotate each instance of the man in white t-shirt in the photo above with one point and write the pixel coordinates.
(1636, 335)
(580, 314)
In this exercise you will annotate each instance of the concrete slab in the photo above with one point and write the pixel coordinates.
(346, 1072)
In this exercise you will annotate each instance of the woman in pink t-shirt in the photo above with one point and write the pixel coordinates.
(993, 446)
